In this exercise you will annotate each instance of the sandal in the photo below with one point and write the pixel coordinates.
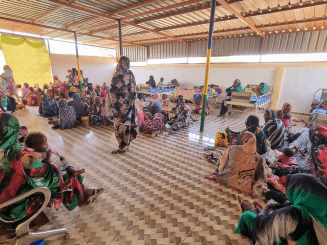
(94, 197)
(117, 152)
(212, 176)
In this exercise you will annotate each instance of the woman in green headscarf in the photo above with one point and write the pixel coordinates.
(301, 221)
(262, 89)
(237, 87)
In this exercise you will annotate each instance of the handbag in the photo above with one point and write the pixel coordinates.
(221, 139)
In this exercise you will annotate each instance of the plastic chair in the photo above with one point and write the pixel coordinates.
(23, 234)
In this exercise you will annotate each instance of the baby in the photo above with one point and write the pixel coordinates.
(21, 105)
(287, 159)
(286, 119)
(38, 142)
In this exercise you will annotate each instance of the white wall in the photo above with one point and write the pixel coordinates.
(299, 83)
(299, 86)
(194, 76)
(97, 69)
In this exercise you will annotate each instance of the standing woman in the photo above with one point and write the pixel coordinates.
(123, 96)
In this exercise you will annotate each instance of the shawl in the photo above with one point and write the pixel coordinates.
(264, 90)
(67, 115)
(238, 88)
(309, 195)
(156, 98)
(78, 105)
(274, 130)
(123, 94)
(283, 109)
(6, 74)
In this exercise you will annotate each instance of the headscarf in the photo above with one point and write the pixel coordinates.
(264, 90)
(73, 89)
(36, 85)
(78, 105)
(67, 115)
(286, 105)
(123, 93)
(238, 88)
(156, 98)
(274, 130)
(309, 195)
(9, 134)
(252, 121)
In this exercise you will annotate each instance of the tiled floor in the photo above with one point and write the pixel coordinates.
(156, 193)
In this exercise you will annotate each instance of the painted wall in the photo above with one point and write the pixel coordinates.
(97, 69)
(299, 86)
(300, 81)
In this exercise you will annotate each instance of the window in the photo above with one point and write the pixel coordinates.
(311, 57)
(138, 64)
(2, 61)
(63, 47)
(167, 61)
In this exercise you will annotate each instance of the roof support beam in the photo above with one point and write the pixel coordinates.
(83, 22)
(97, 26)
(133, 6)
(104, 30)
(112, 18)
(59, 29)
(47, 14)
(249, 23)
(181, 4)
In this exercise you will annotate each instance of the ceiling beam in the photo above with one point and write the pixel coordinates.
(83, 22)
(47, 14)
(157, 10)
(208, 6)
(112, 18)
(245, 29)
(234, 11)
(107, 29)
(133, 6)
(97, 26)
(60, 29)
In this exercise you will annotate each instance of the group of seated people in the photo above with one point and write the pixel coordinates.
(154, 117)
(296, 192)
(91, 106)
(152, 82)
(237, 87)
(28, 161)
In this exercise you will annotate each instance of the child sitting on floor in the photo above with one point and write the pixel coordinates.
(21, 105)
(38, 143)
(287, 159)
(22, 134)
(286, 119)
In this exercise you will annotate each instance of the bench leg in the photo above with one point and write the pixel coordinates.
(35, 236)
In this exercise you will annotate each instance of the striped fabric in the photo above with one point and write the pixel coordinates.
(275, 131)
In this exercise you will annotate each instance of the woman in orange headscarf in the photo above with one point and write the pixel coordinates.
(285, 112)
(56, 82)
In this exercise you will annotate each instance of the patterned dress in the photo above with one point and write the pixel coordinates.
(154, 124)
(67, 115)
(123, 96)
(183, 115)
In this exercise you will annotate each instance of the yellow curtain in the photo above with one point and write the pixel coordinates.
(28, 59)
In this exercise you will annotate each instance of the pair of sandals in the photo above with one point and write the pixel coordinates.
(211, 157)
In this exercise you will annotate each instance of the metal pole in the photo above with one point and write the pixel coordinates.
(206, 78)
(120, 39)
(77, 57)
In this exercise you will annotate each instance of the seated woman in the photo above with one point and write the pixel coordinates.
(21, 170)
(166, 103)
(156, 105)
(198, 102)
(183, 114)
(286, 109)
(274, 129)
(154, 125)
(33, 97)
(56, 82)
(95, 112)
(67, 116)
(241, 167)
(289, 222)
(48, 107)
(262, 89)
(236, 87)
(78, 106)
(252, 125)
(37, 88)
